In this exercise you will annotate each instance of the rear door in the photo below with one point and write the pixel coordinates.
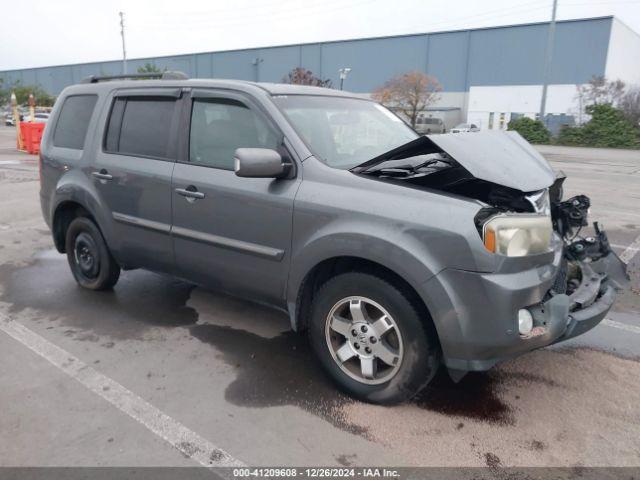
(231, 233)
(132, 171)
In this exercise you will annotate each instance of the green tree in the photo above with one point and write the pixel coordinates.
(608, 127)
(5, 95)
(533, 131)
(572, 136)
(43, 99)
(150, 68)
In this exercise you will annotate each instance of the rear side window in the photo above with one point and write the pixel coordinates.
(141, 126)
(73, 121)
(220, 126)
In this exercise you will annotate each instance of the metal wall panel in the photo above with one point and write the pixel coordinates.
(311, 58)
(511, 55)
(580, 51)
(374, 61)
(277, 62)
(238, 64)
(447, 60)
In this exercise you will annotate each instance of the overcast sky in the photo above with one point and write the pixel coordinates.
(46, 32)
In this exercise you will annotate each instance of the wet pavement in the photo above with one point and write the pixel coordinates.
(232, 371)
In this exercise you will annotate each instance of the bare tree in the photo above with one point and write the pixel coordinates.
(630, 105)
(409, 93)
(302, 76)
(599, 90)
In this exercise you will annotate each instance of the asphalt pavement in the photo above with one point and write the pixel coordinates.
(159, 372)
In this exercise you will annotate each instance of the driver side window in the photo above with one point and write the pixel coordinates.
(219, 126)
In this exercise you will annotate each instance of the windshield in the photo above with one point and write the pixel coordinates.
(344, 132)
(462, 125)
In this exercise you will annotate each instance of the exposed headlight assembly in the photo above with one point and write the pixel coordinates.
(517, 235)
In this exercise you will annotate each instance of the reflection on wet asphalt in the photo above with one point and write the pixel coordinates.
(275, 371)
(270, 371)
(140, 300)
(476, 396)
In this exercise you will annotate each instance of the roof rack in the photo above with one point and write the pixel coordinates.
(169, 75)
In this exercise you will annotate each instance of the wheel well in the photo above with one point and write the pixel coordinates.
(329, 268)
(65, 213)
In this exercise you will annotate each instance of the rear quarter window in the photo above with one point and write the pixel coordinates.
(141, 126)
(73, 122)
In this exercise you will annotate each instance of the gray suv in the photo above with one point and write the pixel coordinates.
(396, 253)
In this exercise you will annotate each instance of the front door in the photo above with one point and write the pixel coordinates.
(229, 232)
(132, 173)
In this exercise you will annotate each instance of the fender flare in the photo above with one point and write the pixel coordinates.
(414, 265)
(74, 187)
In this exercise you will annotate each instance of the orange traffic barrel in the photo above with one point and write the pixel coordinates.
(31, 136)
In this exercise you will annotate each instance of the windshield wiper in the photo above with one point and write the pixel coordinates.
(407, 169)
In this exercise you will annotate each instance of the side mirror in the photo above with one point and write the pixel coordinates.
(258, 163)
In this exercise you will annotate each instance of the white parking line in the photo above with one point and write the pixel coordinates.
(182, 438)
(621, 326)
(631, 251)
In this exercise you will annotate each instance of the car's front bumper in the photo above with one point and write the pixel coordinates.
(476, 314)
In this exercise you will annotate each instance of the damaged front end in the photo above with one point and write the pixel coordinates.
(590, 272)
(522, 213)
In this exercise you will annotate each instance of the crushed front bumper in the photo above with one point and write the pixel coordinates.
(478, 319)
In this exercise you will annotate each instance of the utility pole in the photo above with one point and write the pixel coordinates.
(124, 50)
(547, 60)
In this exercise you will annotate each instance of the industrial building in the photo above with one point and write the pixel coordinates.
(488, 75)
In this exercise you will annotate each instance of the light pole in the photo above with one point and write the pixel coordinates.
(256, 63)
(124, 51)
(547, 60)
(343, 75)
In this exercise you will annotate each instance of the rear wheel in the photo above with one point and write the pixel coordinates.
(89, 258)
(371, 339)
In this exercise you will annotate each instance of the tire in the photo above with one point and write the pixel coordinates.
(408, 344)
(91, 263)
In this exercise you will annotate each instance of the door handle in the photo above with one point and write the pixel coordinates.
(190, 192)
(102, 175)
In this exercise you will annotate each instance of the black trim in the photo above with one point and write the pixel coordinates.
(229, 243)
(149, 92)
(141, 222)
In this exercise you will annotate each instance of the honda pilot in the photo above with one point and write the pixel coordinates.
(396, 253)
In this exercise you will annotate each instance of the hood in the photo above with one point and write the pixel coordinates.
(503, 158)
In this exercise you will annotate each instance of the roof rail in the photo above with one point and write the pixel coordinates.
(168, 75)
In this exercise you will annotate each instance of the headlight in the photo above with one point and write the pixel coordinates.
(517, 235)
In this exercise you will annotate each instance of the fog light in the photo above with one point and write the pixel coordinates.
(525, 321)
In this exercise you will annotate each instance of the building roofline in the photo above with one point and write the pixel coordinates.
(325, 42)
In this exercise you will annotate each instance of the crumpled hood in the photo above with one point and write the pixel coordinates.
(503, 158)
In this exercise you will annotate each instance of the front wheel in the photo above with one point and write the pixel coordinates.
(371, 339)
(89, 258)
